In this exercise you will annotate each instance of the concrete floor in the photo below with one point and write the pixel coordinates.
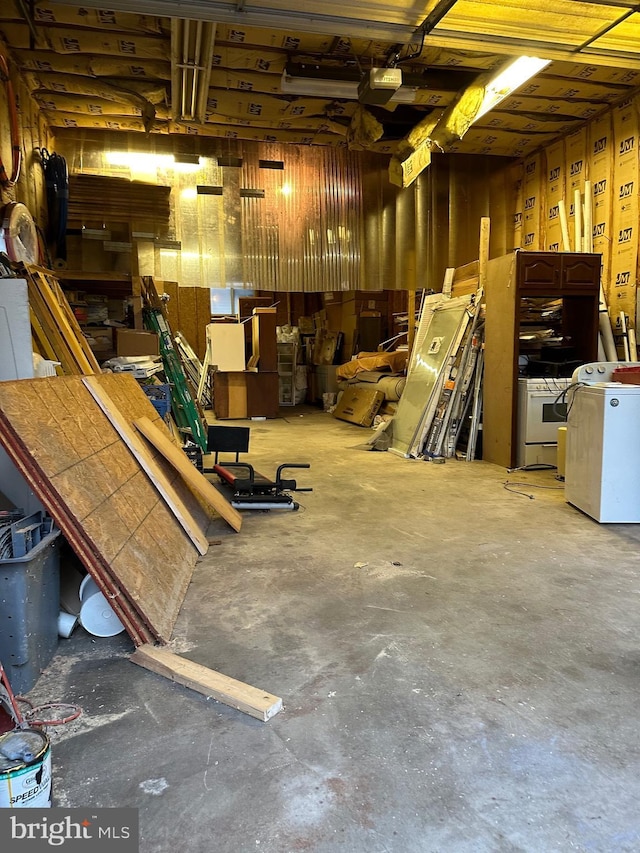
(474, 686)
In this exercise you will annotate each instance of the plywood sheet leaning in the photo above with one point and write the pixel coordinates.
(147, 461)
(251, 700)
(33, 454)
(194, 479)
(104, 503)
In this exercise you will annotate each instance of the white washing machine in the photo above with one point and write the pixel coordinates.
(602, 473)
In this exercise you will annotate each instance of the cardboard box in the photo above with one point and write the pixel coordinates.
(358, 406)
(134, 342)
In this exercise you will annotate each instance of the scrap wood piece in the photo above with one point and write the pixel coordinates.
(197, 481)
(251, 700)
(147, 462)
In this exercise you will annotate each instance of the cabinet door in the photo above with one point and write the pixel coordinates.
(538, 273)
(580, 273)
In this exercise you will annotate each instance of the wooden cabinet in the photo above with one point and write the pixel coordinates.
(572, 277)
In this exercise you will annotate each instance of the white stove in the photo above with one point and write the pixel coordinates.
(540, 412)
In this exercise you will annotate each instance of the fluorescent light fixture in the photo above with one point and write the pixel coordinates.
(346, 90)
(509, 78)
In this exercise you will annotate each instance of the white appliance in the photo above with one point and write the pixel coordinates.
(540, 413)
(602, 471)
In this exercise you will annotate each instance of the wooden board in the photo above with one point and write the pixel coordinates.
(194, 479)
(147, 461)
(251, 700)
(96, 491)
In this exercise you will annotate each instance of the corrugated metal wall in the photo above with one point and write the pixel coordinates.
(299, 218)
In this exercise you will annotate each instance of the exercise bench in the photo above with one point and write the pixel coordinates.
(251, 490)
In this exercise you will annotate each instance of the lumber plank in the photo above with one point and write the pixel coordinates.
(50, 329)
(71, 335)
(251, 700)
(483, 252)
(37, 332)
(63, 302)
(187, 470)
(148, 463)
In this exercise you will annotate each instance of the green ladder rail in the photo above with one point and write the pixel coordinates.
(182, 403)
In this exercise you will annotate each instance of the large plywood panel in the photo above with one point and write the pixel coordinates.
(114, 527)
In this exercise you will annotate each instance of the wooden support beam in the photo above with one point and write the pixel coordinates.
(483, 253)
(251, 700)
(196, 481)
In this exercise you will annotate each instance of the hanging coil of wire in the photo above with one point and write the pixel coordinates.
(56, 178)
(16, 150)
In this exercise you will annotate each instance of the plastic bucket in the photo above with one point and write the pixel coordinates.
(98, 618)
(25, 770)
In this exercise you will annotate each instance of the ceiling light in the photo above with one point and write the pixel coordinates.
(191, 58)
(346, 90)
(509, 78)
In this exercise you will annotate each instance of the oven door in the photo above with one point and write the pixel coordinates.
(543, 416)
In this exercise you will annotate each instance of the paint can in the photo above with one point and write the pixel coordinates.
(25, 770)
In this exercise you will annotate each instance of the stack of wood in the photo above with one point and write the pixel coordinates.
(55, 331)
(100, 198)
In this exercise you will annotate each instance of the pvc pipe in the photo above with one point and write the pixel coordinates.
(633, 346)
(564, 225)
(588, 217)
(577, 220)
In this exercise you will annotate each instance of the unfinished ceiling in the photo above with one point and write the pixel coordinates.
(235, 70)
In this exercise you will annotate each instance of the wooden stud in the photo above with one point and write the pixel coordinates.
(483, 252)
(194, 479)
(250, 700)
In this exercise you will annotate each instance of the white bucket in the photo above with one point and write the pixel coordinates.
(98, 618)
(88, 587)
(25, 770)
